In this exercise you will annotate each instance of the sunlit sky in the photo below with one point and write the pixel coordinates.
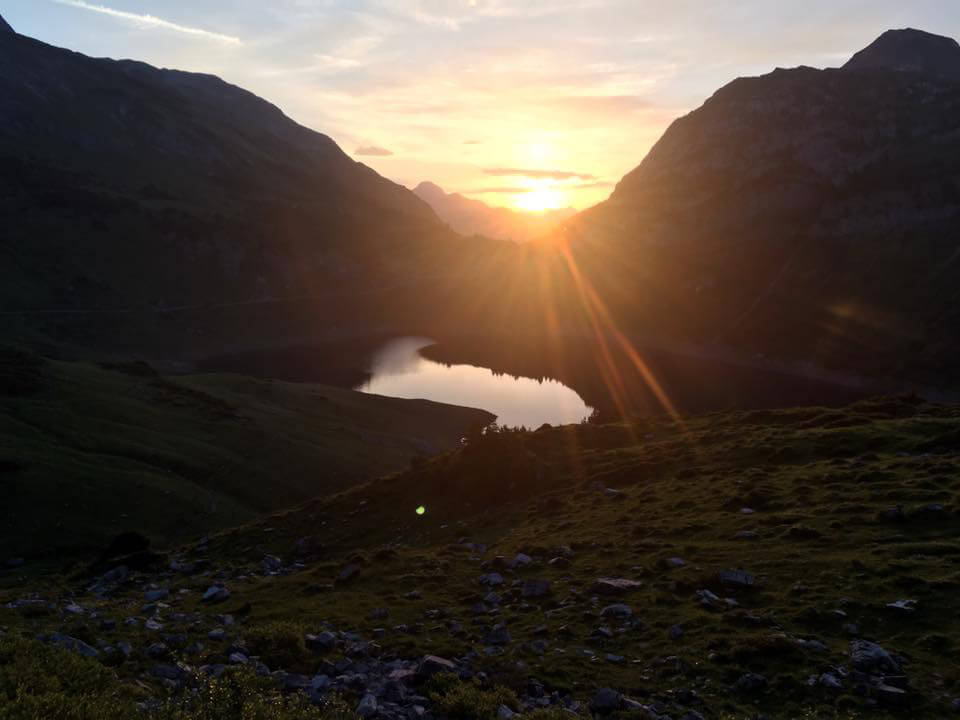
(523, 103)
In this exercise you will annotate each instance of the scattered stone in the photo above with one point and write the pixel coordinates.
(676, 562)
(605, 701)
(618, 611)
(559, 562)
(869, 657)
(907, 606)
(430, 665)
(72, 644)
(271, 563)
(614, 586)
(322, 642)
(505, 713)
(349, 572)
(152, 596)
(152, 624)
(238, 658)
(216, 594)
(491, 579)
(498, 635)
(829, 680)
(521, 561)
(535, 588)
(889, 695)
(676, 632)
(217, 634)
(736, 578)
(367, 706)
(746, 535)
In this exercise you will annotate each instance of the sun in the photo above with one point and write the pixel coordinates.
(538, 200)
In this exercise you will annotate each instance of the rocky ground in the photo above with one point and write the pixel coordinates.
(794, 564)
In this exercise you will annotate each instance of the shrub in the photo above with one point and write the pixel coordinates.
(459, 700)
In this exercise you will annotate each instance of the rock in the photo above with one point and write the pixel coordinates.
(491, 579)
(751, 683)
(618, 611)
(605, 701)
(746, 535)
(125, 647)
(431, 665)
(72, 644)
(736, 578)
(217, 634)
(238, 658)
(271, 563)
(349, 572)
(559, 562)
(152, 596)
(955, 705)
(535, 588)
(158, 650)
(676, 632)
(907, 606)
(152, 624)
(521, 561)
(889, 695)
(367, 706)
(167, 672)
(505, 713)
(829, 680)
(851, 628)
(498, 635)
(319, 686)
(869, 657)
(378, 614)
(614, 586)
(321, 643)
(294, 681)
(216, 594)
(676, 562)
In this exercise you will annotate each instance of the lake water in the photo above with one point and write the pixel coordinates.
(399, 370)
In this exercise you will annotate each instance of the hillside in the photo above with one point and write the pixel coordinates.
(808, 216)
(88, 452)
(175, 213)
(783, 564)
(473, 217)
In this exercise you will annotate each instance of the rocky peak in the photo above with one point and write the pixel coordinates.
(5, 27)
(910, 50)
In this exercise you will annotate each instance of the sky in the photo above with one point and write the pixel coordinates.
(520, 103)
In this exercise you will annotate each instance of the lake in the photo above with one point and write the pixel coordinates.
(397, 369)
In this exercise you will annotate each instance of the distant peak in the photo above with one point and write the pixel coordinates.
(429, 188)
(5, 27)
(910, 50)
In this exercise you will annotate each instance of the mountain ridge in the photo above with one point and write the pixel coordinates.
(469, 216)
(910, 50)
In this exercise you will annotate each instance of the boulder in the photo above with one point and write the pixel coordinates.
(614, 586)
(535, 588)
(605, 701)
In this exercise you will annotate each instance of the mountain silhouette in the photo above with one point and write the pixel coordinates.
(473, 217)
(809, 216)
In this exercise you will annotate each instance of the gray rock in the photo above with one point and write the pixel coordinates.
(349, 572)
(676, 562)
(614, 586)
(491, 579)
(152, 596)
(521, 561)
(907, 606)
(751, 683)
(271, 563)
(676, 632)
(367, 706)
(498, 635)
(322, 642)
(505, 713)
(869, 657)
(605, 701)
(535, 588)
(217, 634)
(216, 594)
(238, 658)
(829, 680)
(431, 665)
(746, 535)
(618, 611)
(167, 672)
(72, 644)
(736, 578)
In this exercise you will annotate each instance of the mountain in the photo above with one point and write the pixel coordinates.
(169, 213)
(806, 219)
(473, 217)
(910, 51)
(5, 26)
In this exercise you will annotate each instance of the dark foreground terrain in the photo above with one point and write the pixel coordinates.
(785, 564)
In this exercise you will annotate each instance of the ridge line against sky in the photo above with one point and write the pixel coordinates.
(566, 95)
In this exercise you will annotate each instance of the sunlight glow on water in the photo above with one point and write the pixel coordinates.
(400, 371)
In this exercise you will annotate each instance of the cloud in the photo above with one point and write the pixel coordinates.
(152, 21)
(603, 103)
(373, 151)
(472, 142)
(539, 174)
(499, 191)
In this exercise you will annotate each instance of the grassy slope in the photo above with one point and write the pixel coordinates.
(819, 481)
(87, 452)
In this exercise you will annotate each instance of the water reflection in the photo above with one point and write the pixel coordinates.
(399, 370)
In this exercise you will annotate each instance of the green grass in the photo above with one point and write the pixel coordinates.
(821, 482)
(87, 452)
